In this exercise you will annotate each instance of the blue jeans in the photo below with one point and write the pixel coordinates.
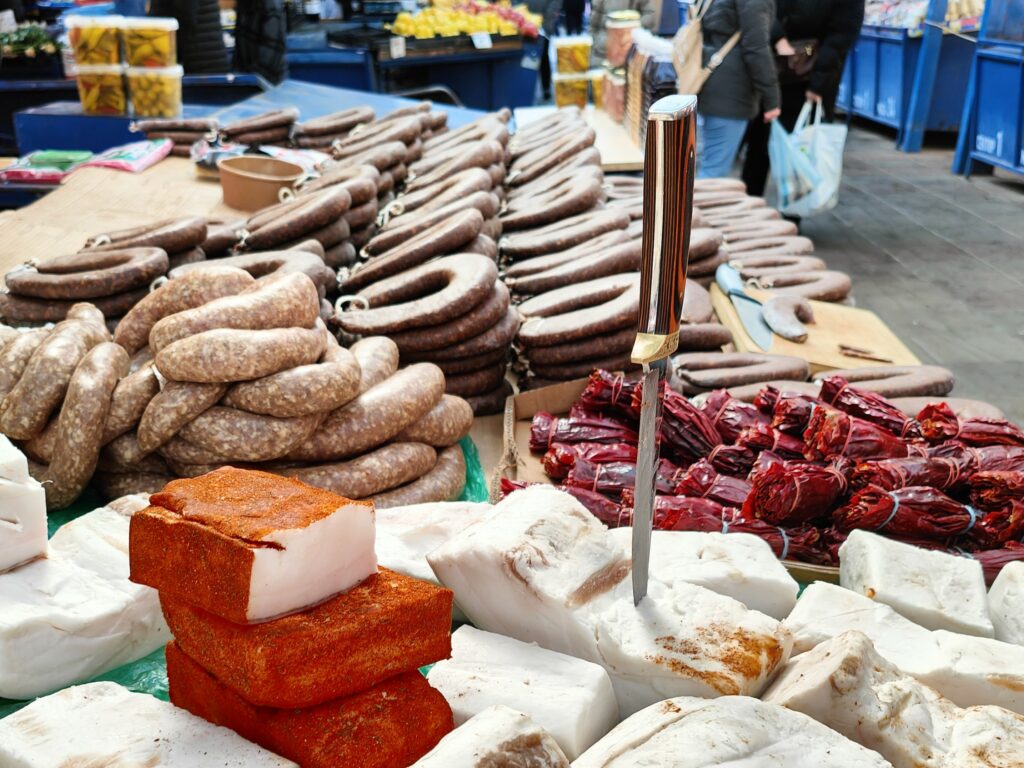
(718, 142)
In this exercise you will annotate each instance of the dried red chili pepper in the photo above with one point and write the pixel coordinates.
(686, 432)
(837, 392)
(730, 416)
(792, 412)
(702, 480)
(546, 429)
(996, 489)
(561, 457)
(996, 527)
(612, 478)
(890, 474)
(734, 460)
(832, 433)
(914, 512)
(939, 424)
(610, 393)
(793, 492)
(993, 560)
(601, 507)
(763, 438)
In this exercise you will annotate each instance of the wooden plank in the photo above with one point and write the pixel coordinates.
(834, 325)
(618, 152)
(96, 200)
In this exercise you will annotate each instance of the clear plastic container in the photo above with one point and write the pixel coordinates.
(95, 40)
(150, 41)
(155, 91)
(620, 28)
(572, 54)
(597, 87)
(101, 89)
(571, 89)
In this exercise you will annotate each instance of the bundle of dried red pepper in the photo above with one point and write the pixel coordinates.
(761, 437)
(735, 460)
(730, 416)
(791, 493)
(687, 433)
(792, 412)
(832, 433)
(914, 512)
(994, 490)
(702, 480)
(613, 477)
(939, 424)
(561, 457)
(837, 392)
(612, 394)
(890, 474)
(578, 428)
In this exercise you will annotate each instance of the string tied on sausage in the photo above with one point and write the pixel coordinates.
(344, 303)
(892, 515)
(285, 194)
(158, 282)
(785, 543)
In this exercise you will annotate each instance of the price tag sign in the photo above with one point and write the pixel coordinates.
(397, 47)
(481, 40)
(9, 24)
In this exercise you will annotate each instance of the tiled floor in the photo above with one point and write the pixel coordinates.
(938, 257)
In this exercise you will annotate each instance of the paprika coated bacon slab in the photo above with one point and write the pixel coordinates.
(278, 546)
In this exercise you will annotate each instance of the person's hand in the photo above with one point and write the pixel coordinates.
(813, 97)
(772, 114)
(783, 47)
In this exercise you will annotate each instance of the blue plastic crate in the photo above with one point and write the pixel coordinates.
(1000, 78)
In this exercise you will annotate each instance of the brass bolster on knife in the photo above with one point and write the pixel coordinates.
(649, 347)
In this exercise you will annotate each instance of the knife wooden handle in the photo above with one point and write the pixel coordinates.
(669, 167)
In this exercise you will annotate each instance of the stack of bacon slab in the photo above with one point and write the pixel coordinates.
(284, 630)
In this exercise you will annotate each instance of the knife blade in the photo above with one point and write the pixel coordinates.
(747, 307)
(669, 165)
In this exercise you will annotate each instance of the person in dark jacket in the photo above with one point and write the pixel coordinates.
(745, 85)
(550, 10)
(200, 37)
(574, 16)
(829, 28)
(260, 35)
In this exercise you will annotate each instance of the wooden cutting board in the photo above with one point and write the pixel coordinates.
(834, 324)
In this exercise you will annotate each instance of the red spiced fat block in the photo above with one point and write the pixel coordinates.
(250, 546)
(387, 625)
(388, 726)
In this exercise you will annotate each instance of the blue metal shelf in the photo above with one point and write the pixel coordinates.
(886, 67)
(993, 113)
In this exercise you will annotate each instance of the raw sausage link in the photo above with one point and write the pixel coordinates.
(20, 309)
(614, 343)
(341, 255)
(577, 370)
(381, 156)
(498, 337)
(376, 416)
(302, 391)
(475, 382)
(483, 154)
(704, 337)
(462, 280)
(172, 236)
(701, 371)
(398, 230)
(444, 237)
(785, 315)
(456, 187)
(327, 236)
(445, 482)
(548, 261)
(314, 212)
(336, 122)
(191, 290)
(131, 396)
(378, 359)
(114, 486)
(473, 362)
(310, 246)
(490, 403)
(124, 451)
(538, 161)
(553, 205)
(179, 450)
(230, 354)
(221, 236)
(383, 469)
(41, 388)
(153, 463)
(898, 380)
(264, 264)
(275, 118)
(360, 216)
(591, 316)
(40, 448)
(697, 307)
(483, 245)
(186, 257)
(245, 436)
(769, 266)
(792, 245)
(448, 422)
(563, 234)
(625, 257)
(105, 274)
(80, 427)
(16, 356)
(288, 300)
(175, 406)
(821, 285)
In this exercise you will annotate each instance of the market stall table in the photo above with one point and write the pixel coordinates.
(618, 152)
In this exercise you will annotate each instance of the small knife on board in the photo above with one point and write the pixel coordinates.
(747, 307)
(669, 165)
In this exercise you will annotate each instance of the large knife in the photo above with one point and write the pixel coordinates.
(668, 206)
(747, 307)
